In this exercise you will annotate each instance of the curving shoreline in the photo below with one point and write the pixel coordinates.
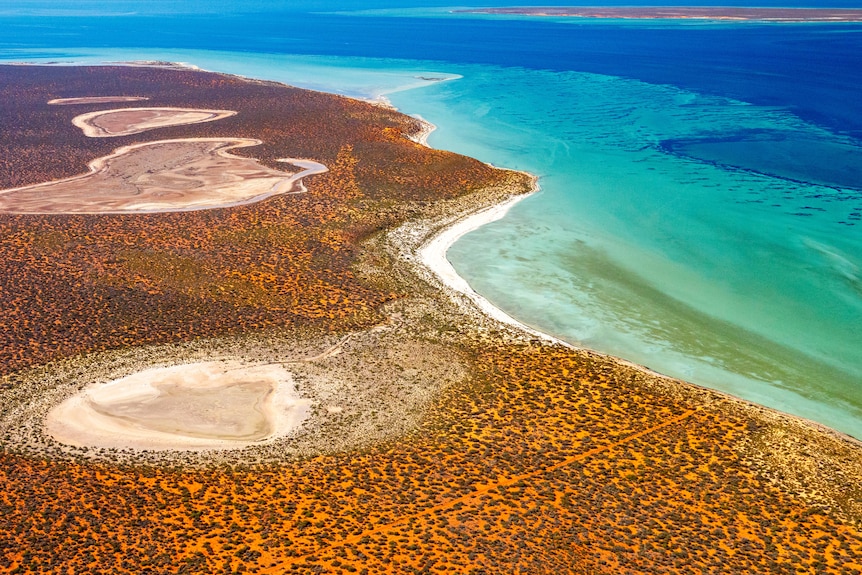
(438, 238)
(463, 220)
(431, 253)
(784, 447)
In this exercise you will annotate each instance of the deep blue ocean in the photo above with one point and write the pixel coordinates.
(701, 204)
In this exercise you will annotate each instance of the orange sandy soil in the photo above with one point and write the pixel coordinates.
(543, 460)
(545, 463)
(686, 12)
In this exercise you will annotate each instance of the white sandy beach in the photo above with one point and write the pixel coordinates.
(427, 128)
(432, 254)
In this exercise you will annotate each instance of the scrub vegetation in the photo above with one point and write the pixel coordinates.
(525, 457)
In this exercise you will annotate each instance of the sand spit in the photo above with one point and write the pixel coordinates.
(163, 176)
(95, 100)
(193, 406)
(128, 121)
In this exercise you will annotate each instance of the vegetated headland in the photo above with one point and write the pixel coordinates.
(433, 437)
(718, 13)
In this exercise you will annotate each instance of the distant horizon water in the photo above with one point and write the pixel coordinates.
(708, 237)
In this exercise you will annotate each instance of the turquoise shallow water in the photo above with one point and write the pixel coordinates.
(724, 276)
(671, 229)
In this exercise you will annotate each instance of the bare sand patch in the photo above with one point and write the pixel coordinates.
(128, 121)
(95, 100)
(163, 176)
(350, 392)
(207, 405)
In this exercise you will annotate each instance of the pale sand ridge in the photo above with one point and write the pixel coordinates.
(95, 100)
(128, 121)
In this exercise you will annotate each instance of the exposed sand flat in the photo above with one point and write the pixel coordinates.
(95, 100)
(162, 176)
(128, 121)
(209, 405)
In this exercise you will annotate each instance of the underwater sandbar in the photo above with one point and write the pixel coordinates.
(732, 13)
